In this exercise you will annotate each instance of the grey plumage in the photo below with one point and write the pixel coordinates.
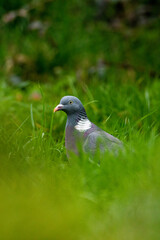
(101, 140)
(82, 133)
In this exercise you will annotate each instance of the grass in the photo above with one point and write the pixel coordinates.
(43, 196)
(114, 71)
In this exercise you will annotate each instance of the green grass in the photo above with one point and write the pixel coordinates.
(114, 72)
(43, 196)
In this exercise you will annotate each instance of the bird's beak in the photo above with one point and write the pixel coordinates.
(58, 107)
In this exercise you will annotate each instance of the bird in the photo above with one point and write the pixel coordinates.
(81, 133)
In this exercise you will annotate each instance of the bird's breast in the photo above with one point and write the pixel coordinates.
(70, 140)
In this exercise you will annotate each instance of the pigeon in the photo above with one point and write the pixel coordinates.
(81, 133)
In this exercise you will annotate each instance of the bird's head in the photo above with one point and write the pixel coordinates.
(70, 105)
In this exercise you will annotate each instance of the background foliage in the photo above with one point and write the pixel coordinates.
(106, 52)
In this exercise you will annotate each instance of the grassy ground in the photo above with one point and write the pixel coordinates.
(55, 48)
(43, 196)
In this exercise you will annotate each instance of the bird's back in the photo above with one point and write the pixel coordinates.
(99, 140)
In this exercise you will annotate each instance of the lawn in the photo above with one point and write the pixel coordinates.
(43, 195)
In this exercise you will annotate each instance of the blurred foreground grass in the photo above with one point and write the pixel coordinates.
(43, 196)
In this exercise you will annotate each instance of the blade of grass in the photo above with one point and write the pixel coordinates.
(51, 127)
(32, 119)
(18, 128)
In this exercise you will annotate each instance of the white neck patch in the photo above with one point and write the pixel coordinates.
(83, 125)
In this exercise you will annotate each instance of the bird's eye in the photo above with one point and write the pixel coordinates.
(70, 102)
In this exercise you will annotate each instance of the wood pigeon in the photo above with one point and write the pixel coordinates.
(81, 132)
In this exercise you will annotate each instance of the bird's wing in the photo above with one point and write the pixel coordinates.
(101, 141)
